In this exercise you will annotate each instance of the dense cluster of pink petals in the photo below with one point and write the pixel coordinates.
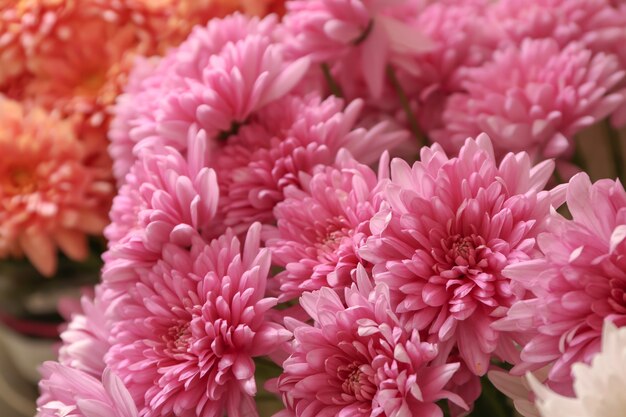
(450, 227)
(49, 197)
(184, 336)
(534, 97)
(85, 340)
(578, 283)
(359, 359)
(365, 36)
(168, 199)
(597, 24)
(321, 225)
(220, 75)
(66, 391)
(283, 143)
(261, 226)
(230, 81)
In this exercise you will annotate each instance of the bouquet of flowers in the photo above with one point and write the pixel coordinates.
(365, 208)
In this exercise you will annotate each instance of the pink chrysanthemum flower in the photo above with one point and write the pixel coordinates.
(85, 339)
(358, 359)
(184, 336)
(578, 283)
(49, 198)
(535, 97)
(322, 224)
(168, 198)
(69, 392)
(369, 34)
(450, 227)
(285, 140)
(216, 80)
(596, 23)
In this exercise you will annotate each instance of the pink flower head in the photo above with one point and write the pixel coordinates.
(285, 140)
(578, 283)
(371, 34)
(322, 224)
(85, 339)
(183, 337)
(215, 80)
(595, 23)
(358, 359)
(535, 97)
(49, 197)
(450, 226)
(167, 199)
(69, 392)
(139, 110)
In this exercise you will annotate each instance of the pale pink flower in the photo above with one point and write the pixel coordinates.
(321, 225)
(85, 339)
(359, 359)
(49, 197)
(598, 385)
(168, 198)
(183, 336)
(369, 34)
(215, 80)
(596, 23)
(578, 284)
(70, 392)
(285, 140)
(534, 97)
(449, 228)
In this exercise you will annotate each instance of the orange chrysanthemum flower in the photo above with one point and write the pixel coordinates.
(48, 197)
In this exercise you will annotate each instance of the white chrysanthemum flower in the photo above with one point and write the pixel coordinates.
(599, 387)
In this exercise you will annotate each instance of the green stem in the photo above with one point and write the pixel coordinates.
(335, 88)
(406, 106)
(615, 144)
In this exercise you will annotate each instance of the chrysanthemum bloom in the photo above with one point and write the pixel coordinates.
(578, 284)
(85, 339)
(534, 97)
(596, 23)
(48, 196)
(69, 392)
(168, 198)
(197, 84)
(450, 227)
(358, 359)
(321, 225)
(286, 140)
(185, 335)
(369, 34)
(598, 386)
